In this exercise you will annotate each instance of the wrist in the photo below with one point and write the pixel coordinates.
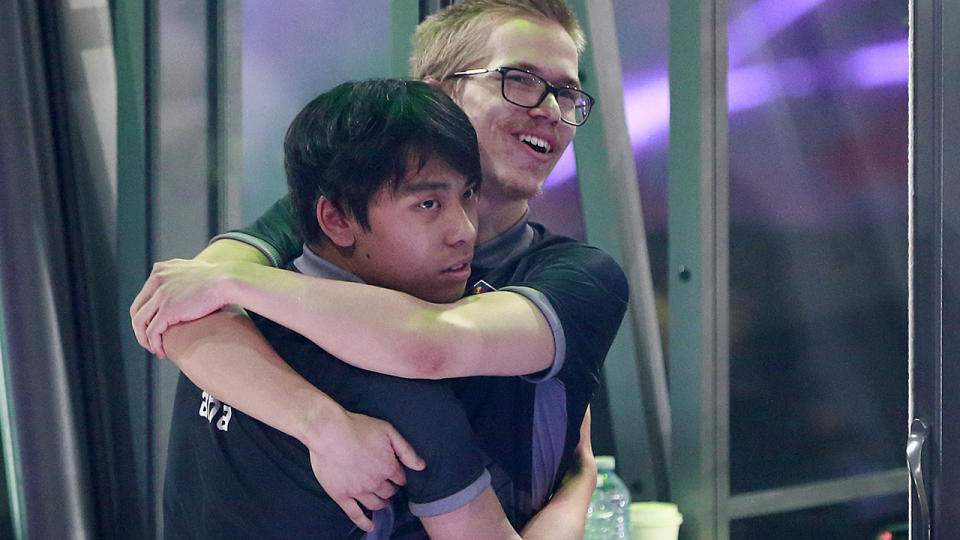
(316, 419)
(588, 462)
(588, 466)
(230, 282)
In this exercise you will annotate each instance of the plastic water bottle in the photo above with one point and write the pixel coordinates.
(609, 514)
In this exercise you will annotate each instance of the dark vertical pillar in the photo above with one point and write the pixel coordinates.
(133, 47)
(934, 256)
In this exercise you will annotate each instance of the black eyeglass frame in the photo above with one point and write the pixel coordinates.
(547, 89)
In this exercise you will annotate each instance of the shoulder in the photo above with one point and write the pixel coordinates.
(575, 263)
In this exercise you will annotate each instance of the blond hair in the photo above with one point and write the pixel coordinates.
(453, 38)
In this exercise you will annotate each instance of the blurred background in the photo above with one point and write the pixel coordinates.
(154, 126)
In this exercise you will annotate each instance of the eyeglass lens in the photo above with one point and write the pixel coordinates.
(528, 90)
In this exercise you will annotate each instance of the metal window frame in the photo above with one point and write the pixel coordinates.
(934, 253)
(698, 251)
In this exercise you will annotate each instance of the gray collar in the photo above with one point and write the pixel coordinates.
(311, 264)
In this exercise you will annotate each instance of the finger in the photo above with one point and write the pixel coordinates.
(146, 292)
(407, 455)
(356, 515)
(398, 477)
(371, 501)
(386, 489)
(157, 327)
(140, 321)
(149, 314)
(161, 353)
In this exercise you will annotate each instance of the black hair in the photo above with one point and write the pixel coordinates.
(361, 136)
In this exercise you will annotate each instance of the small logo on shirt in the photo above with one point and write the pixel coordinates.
(481, 287)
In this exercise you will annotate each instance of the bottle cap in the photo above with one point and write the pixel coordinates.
(606, 463)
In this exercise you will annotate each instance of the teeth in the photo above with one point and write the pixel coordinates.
(537, 142)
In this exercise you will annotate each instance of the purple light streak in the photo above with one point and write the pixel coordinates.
(878, 65)
(760, 22)
(647, 103)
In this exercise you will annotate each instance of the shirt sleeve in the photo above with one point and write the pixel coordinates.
(556, 327)
(272, 234)
(431, 418)
(583, 294)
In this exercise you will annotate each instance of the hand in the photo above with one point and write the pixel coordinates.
(177, 291)
(359, 461)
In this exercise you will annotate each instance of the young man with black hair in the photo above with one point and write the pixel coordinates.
(512, 66)
(378, 170)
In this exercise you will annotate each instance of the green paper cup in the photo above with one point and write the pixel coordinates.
(654, 521)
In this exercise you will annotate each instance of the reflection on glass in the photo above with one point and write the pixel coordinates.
(881, 518)
(818, 234)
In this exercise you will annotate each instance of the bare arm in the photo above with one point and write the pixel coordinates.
(354, 457)
(480, 519)
(497, 333)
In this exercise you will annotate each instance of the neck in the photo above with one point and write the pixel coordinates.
(498, 215)
(341, 257)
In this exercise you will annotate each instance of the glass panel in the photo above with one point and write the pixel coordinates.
(818, 233)
(880, 518)
(290, 56)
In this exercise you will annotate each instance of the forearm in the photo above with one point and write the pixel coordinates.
(370, 327)
(225, 355)
(394, 333)
(566, 513)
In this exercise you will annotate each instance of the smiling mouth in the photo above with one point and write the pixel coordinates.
(536, 143)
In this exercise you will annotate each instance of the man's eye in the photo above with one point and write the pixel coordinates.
(522, 79)
(428, 204)
(469, 194)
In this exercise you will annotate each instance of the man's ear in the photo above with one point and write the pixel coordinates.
(432, 82)
(339, 226)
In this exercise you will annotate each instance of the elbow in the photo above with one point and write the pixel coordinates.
(427, 361)
(437, 354)
(439, 350)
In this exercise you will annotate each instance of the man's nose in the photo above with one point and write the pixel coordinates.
(462, 226)
(548, 108)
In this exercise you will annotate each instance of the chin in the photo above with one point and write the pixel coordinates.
(448, 296)
(523, 189)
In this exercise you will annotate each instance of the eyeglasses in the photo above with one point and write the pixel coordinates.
(527, 90)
